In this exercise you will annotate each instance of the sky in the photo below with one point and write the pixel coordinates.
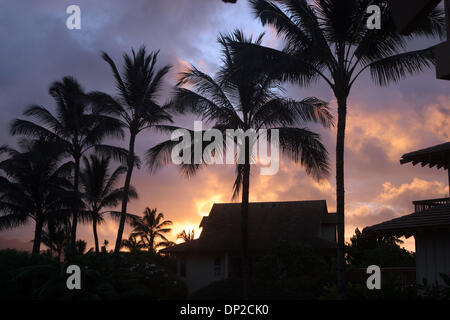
(383, 123)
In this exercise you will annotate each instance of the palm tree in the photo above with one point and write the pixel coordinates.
(138, 88)
(150, 228)
(186, 236)
(34, 186)
(243, 100)
(100, 192)
(329, 39)
(74, 126)
(133, 244)
(55, 240)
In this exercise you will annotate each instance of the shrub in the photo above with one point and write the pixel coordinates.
(140, 275)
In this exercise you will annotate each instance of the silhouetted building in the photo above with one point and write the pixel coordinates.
(216, 254)
(429, 223)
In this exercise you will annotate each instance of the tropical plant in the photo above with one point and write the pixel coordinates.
(133, 244)
(136, 106)
(55, 239)
(248, 99)
(34, 186)
(150, 228)
(73, 126)
(81, 247)
(329, 40)
(105, 246)
(382, 250)
(186, 236)
(136, 276)
(100, 192)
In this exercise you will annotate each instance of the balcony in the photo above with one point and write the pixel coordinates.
(422, 205)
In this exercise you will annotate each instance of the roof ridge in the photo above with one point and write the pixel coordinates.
(266, 202)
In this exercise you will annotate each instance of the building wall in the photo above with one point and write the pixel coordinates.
(329, 232)
(432, 256)
(201, 269)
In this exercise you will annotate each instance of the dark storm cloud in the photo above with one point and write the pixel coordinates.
(37, 48)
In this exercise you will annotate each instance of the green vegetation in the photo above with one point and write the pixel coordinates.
(138, 275)
(383, 251)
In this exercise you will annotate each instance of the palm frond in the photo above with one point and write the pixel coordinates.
(305, 146)
(116, 153)
(397, 67)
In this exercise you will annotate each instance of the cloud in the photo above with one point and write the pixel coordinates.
(365, 216)
(437, 117)
(417, 189)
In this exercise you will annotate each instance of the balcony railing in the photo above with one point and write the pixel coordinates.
(422, 205)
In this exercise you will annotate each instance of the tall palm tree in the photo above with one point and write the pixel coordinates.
(33, 186)
(249, 99)
(150, 228)
(136, 106)
(329, 39)
(100, 192)
(186, 236)
(74, 126)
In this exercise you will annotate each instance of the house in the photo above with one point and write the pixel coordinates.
(215, 255)
(429, 224)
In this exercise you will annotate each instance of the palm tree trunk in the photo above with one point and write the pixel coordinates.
(126, 188)
(244, 220)
(151, 244)
(37, 236)
(76, 182)
(94, 229)
(340, 192)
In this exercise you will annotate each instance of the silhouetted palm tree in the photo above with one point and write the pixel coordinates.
(56, 240)
(100, 192)
(74, 126)
(138, 88)
(243, 100)
(34, 186)
(186, 236)
(150, 228)
(329, 39)
(133, 244)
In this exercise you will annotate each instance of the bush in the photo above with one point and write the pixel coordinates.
(384, 251)
(140, 275)
(291, 271)
(358, 291)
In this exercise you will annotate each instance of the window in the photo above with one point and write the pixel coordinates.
(217, 267)
(183, 268)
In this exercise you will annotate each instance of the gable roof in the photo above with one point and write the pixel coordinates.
(436, 217)
(269, 222)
